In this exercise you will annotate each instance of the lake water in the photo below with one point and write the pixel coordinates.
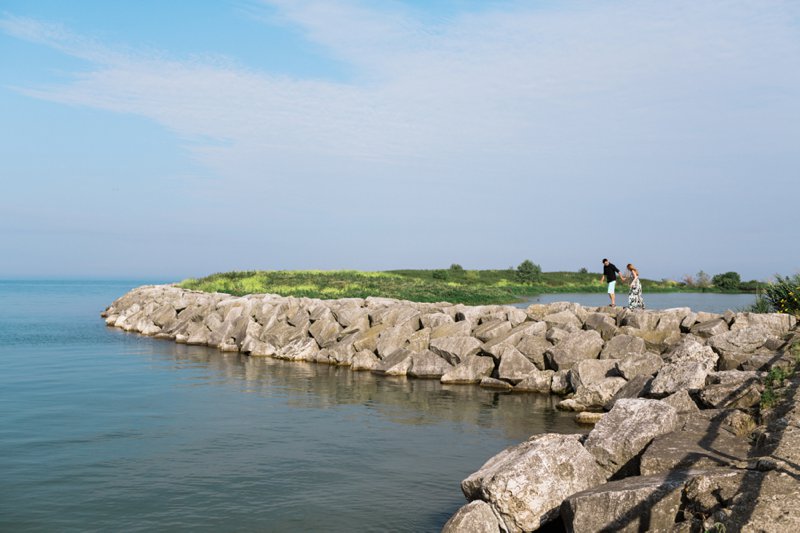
(105, 430)
(698, 301)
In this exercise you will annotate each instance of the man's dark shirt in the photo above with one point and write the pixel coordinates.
(610, 272)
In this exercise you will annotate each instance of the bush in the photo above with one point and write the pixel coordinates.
(439, 274)
(702, 280)
(529, 272)
(455, 267)
(583, 270)
(784, 294)
(729, 281)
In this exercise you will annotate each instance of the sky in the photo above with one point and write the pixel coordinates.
(143, 138)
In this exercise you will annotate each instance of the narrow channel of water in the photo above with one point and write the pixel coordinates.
(104, 430)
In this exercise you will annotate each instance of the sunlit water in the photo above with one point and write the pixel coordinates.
(105, 430)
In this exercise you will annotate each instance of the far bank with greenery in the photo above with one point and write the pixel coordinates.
(454, 284)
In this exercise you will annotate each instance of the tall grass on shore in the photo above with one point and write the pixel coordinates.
(455, 285)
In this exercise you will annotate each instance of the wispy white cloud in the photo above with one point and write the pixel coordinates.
(522, 100)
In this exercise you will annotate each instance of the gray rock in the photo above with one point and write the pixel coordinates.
(525, 484)
(597, 394)
(637, 387)
(556, 335)
(471, 370)
(299, 350)
(474, 517)
(674, 377)
(739, 395)
(368, 340)
(491, 329)
(560, 383)
(622, 346)
(563, 320)
(515, 335)
(646, 364)
(647, 503)
(392, 339)
(365, 360)
(576, 347)
(395, 364)
(778, 324)
(419, 341)
(434, 320)
(534, 347)
(590, 371)
(619, 438)
(492, 383)
(452, 329)
(455, 349)
(601, 323)
(428, 365)
(513, 366)
(710, 328)
(536, 381)
(682, 402)
(688, 321)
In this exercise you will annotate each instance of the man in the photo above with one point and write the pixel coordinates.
(610, 272)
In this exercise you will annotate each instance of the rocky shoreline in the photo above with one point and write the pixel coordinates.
(677, 444)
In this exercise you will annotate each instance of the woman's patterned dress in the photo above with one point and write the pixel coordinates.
(635, 300)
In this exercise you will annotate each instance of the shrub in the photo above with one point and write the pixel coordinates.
(583, 270)
(529, 272)
(455, 267)
(729, 281)
(702, 280)
(439, 274)
(784, 294)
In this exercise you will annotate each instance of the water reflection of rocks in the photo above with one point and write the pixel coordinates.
(399, 399)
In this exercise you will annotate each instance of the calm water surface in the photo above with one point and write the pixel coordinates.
(104, 430)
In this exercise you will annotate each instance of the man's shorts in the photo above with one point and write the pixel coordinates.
(611, 285)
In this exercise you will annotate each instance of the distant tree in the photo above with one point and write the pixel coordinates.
(439, 274)
(529, 272)
(729, 281)
(702, 280)
(455, 267)
(688, 280)
(583, 270)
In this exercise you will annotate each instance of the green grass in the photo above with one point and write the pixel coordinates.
(473, 287)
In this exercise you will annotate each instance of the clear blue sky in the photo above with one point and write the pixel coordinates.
(175, 139)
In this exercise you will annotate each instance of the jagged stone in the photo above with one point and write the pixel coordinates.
(525, 484)
(452, 329)
(637, 387)
(536, 381)
(622, 346)
(602, 324)
(455, 349)
(682, 402)
(471, 370)
(710, 328)
(534, 348)
(590, 371)
(560, 383)
(563, 319)
(475, 517)
(392, 339)
(646, 364)
(513, 366)
(491, 329)
(488, 382)
(395, 364)
(365, 360)
(428, 365)
(619, 438)
(597, 394)
(368, 340)
(576, 347)
(434, 320)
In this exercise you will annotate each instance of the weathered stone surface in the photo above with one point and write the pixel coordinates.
(682, 402)
(637, 387)
(590, 371)
(746, 340)
(299, 350)
(588, 417)
(536, 381)
(434, 320)
(392, 339)
(475, 517)
(646, 364)
(395, 364)
(513, 366)
(563, 319)
(740, 395)
(556, 335)
(689, 364)
(455, 349)
(342, 352)
(576, 347)
(642, 320)
(622, 346)
(560, 382)
(700, 442)
(452, 329)
(710, 328)
(654, 340)
(365, 360)
(597, 394)
(647, 503)
(419, 341)
(534, 347)
(515, 335)
(471, 370)
(428, 365)
(619, 438)
(491, 329)
(778, 324)
(326, 330)
(601, 323)
(526, 483)
(368, 340)
(492, 383)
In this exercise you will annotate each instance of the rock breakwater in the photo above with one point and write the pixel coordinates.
(680, 388)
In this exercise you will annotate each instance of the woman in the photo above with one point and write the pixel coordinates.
(635, 300)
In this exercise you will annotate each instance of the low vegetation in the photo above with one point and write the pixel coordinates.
(454, 284)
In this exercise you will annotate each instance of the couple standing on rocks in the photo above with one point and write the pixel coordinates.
(610, 271)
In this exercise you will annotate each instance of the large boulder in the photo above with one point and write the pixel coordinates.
(596, 395)
(526, 483)
(622, 346)
(710, 328)
(631, 505)
(451, 329)
(738, 345)
(395, 364)
(326, 330)
(601, 323)
(536, 381)
(564, 320)
(534, 348)
(364, 360)
(515, 335)
(455, 349)
(688, 365)
(576, 347)
(634, 365)
(392, 339)
(490, 329)
(732, 389)
(778, 324)
(471, 370)
(475, 517)
(428, 365)
(513, 366)
(590, 371)
(623, 433)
